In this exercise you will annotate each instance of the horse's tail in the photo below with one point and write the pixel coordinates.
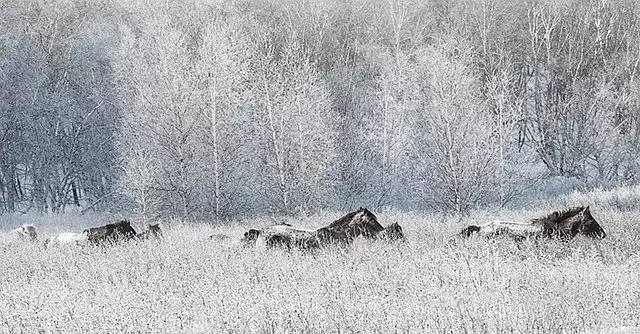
(469, 231)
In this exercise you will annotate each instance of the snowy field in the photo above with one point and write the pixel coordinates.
(237, 109)
(433, 283)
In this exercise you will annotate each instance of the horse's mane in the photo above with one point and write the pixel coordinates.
(558, 216)
(368, 214)
(343, 220)
(123, 222)
(349, 216)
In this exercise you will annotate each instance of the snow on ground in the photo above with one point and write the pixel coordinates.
(433, 283)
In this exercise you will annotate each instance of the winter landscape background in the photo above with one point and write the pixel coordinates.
(210, 110)
(436, 114)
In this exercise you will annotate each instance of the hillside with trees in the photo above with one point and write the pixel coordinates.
(207, 109)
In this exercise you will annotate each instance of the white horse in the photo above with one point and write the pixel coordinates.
(67, 239)
(516, 229)
(26, 232)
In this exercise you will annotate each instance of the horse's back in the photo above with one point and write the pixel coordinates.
(286, 229)
(502, 227)
(111, 232)
(67, 238)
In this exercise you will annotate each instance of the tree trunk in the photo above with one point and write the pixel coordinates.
(74, 192)
(216, 162)
(277, 150)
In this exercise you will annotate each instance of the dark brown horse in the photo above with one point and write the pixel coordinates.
(121, 230)
(559, 224)
(360, 223)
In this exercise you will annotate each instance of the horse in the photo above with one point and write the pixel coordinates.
(26, 232)
(360, 223)
(564, 225)
(282, 236)
(121, 230)
(67, 238)
(153, 231)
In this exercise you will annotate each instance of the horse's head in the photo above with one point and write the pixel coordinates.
(364, 223)
(124, 223)
(155, 230)
(589, 226)
(469, 231)
(577, 221)
(250, 237)
(124, 228)
(27, 231)
(392, 232)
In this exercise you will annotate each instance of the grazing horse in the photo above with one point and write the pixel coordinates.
(282, 235)
(559, 224)
(121, 230)
(152, 232)
(360, 223)
(26, 232)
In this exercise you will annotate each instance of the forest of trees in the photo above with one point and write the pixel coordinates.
(211, 109)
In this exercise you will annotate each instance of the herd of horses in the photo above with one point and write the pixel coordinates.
(361, 223)
(107, 234)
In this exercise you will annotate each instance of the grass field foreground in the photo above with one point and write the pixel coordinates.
(433, 283)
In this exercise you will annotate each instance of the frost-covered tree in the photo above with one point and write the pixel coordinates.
(139, 180)
(293, 126)
(242, 107)
(222, 65)
(161, 110)
(453, 134)
(55, 104)
(577, 71)
(390, 127)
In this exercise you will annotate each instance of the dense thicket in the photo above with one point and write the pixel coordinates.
(213, 109)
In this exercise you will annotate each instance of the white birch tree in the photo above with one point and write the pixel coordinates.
(223, 68)
(453, 137)
(161, 108)
(294, 129)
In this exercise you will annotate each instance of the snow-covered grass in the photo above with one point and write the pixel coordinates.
(622, 198)
(189, 284)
